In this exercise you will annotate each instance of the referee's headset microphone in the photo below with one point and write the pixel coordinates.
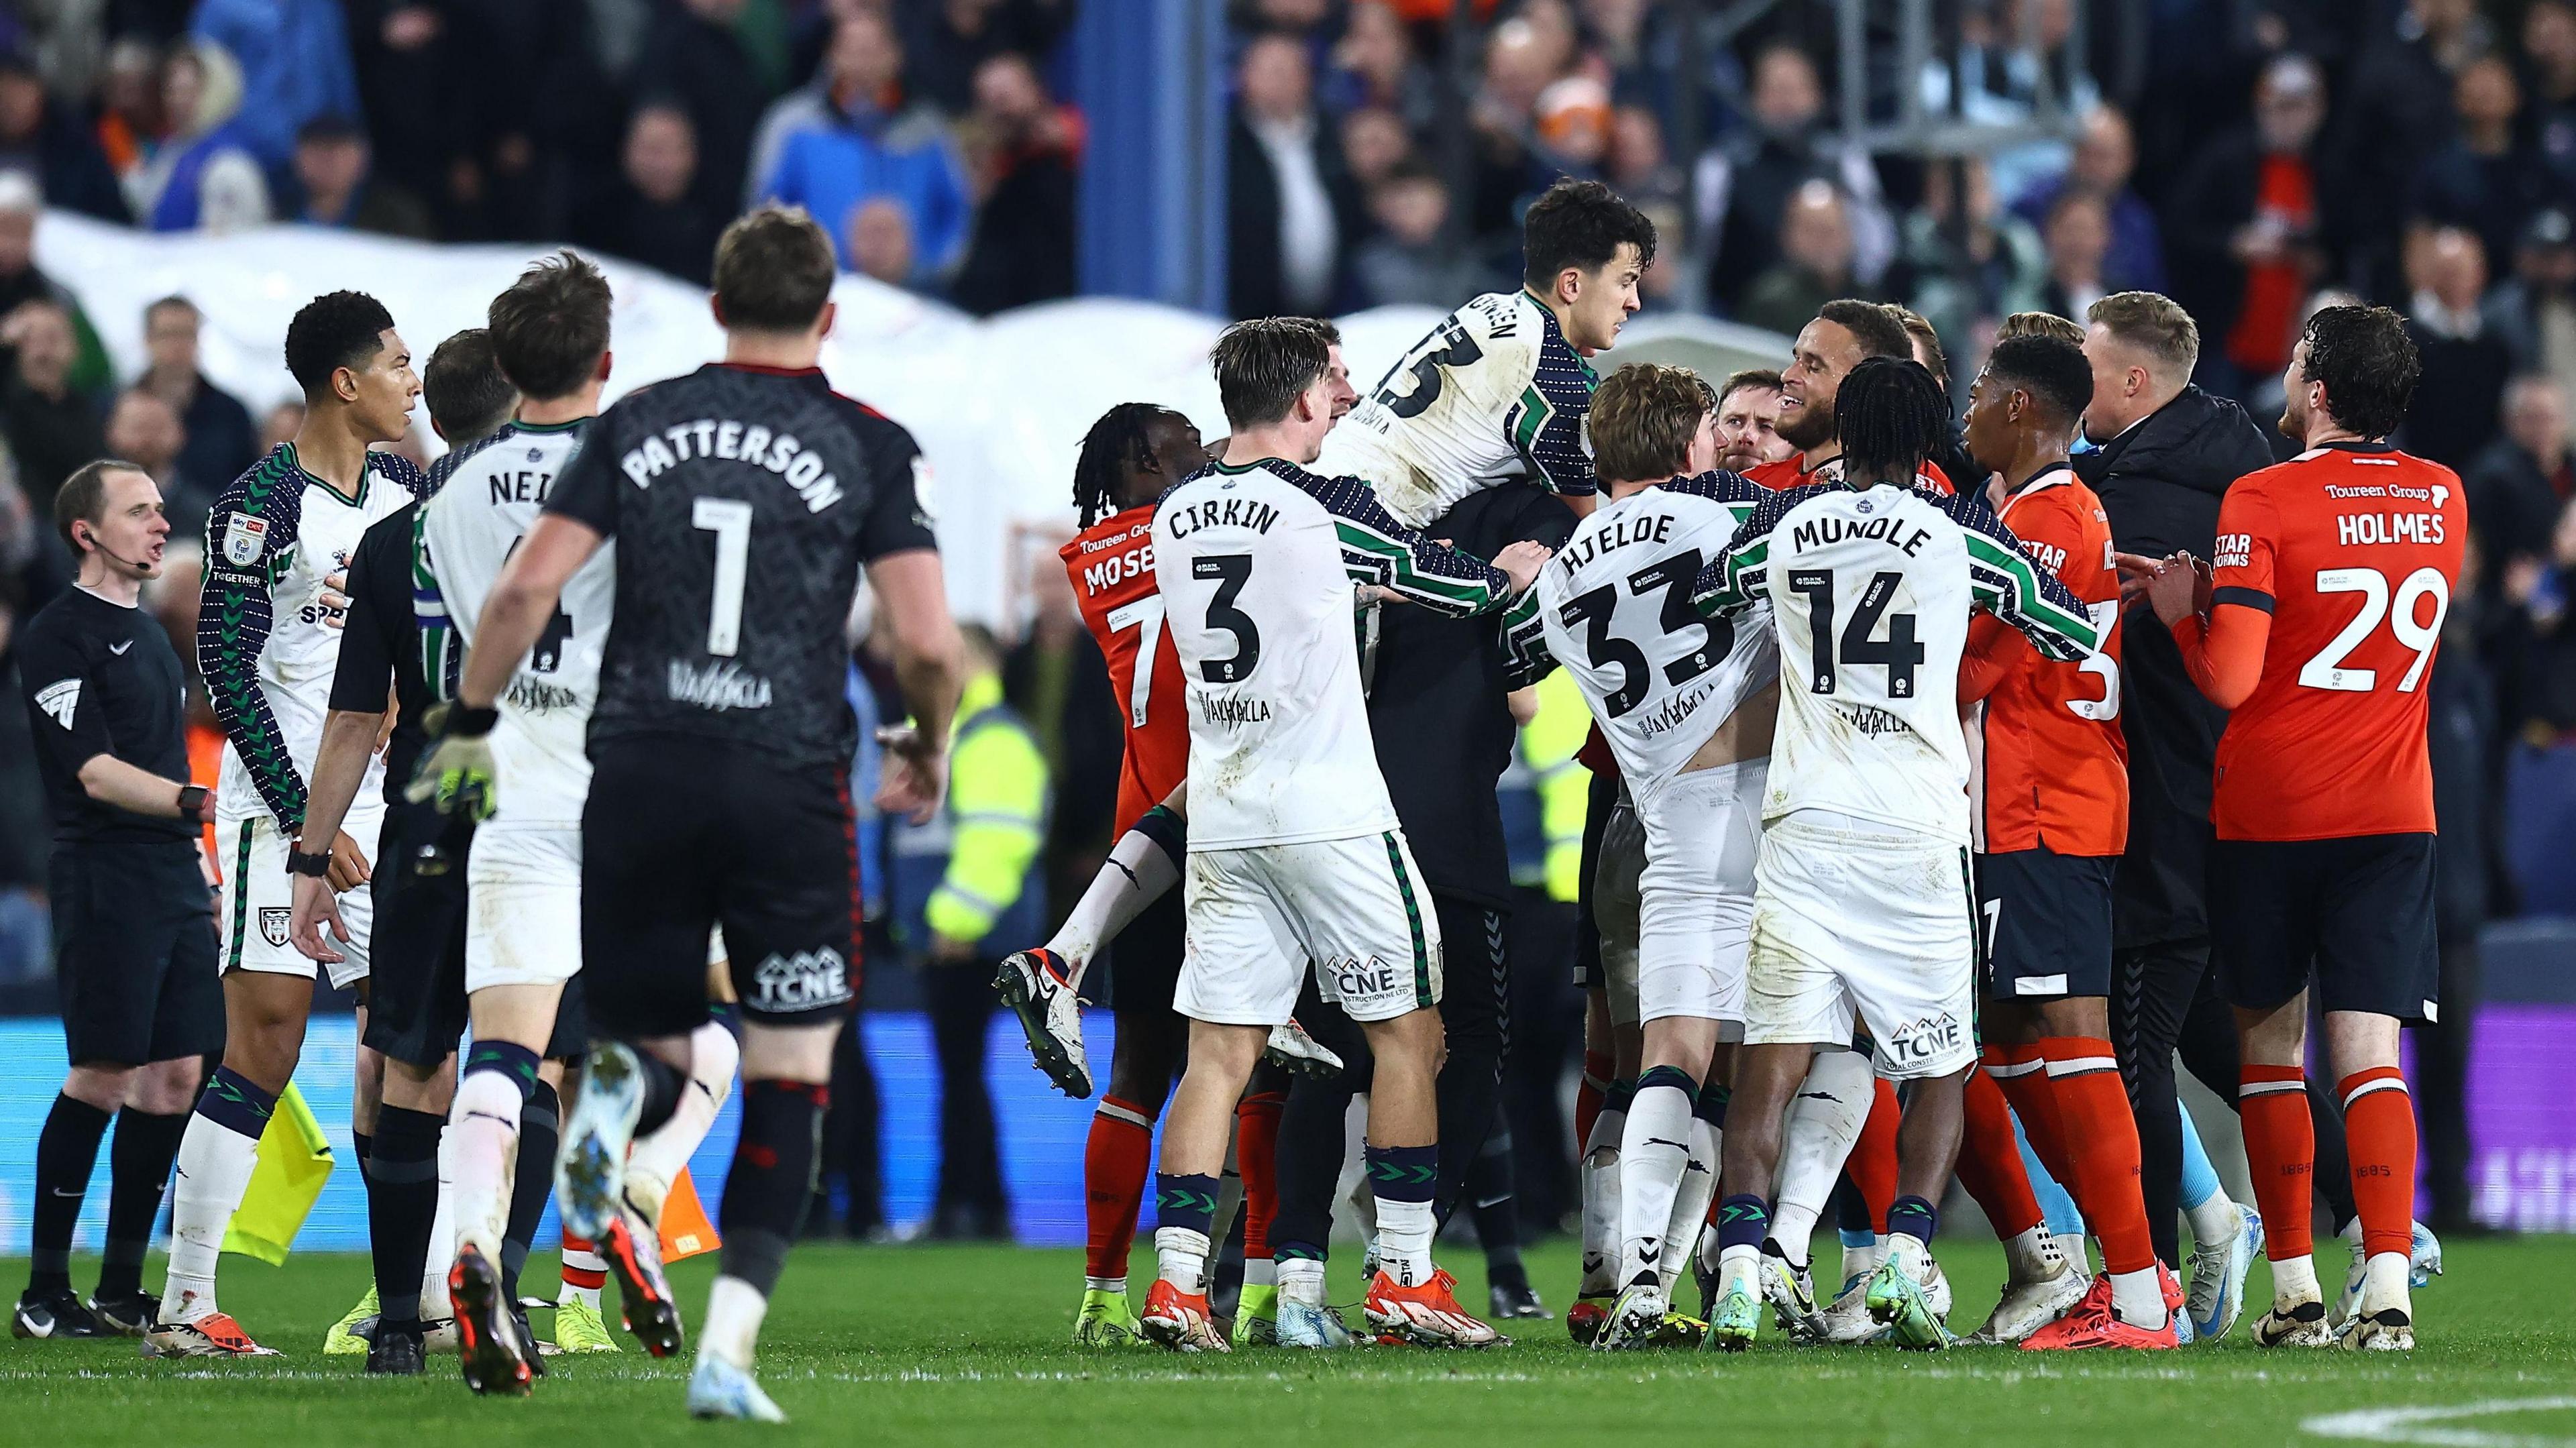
(101, 545)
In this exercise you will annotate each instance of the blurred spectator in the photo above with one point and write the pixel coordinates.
(1638, 166)
(2549, 83)
(145, 431)
(1815, 266)
(861, 68)
(2246, 222)
(1289, 203)
(39, 137)
(1026, 151)
(2077, 237)
(1743, 185)
(2105, 157)
(1522, 57)
(21, 283)
(1971, 272)
(655, 214)
(2521, 483)
(1409, 262)
(294, 58)
(950, 41)
(2398, 110)
(219, 444)
(865, 144)
(1374, 67)
(202, 175)
(1300, 18)
(1373, 143)
(129, 109)
(2458, 401)
(2487, 178)
(2534, 310)
(694, 57)
(280, 426)
(332, 185)
(1571, 126)
(879, 242)
(2538, 640)
(1996, 78)
(51, 425)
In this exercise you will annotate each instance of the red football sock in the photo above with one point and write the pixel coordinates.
(1256, 1160)
(1990, 1161)
(1115, 1164)
(1597, 1066)
(1872, 1163)
(2101, 1138)
(2281, 1152)
(588, 1278)
(2023, 1074)
(2379, 1127)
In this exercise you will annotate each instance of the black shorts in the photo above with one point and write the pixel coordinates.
(416, 1006)
(1145, 959)
(682, 835)
(2047, 923)
(2356, 912)
(134, 953)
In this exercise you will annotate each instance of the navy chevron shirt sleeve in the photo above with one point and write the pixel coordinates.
(1379, 550)
(1547, 423)
(2007, 585)
(248, 533)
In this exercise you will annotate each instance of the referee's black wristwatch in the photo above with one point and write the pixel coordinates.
(300, 863)
(192, 803)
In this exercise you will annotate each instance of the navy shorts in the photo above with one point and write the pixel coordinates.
(2046, 923)
(2355, 914)
(416, 1007)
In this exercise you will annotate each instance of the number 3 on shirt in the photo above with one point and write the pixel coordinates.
(2328, 670)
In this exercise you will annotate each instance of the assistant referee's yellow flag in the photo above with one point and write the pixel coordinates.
(294, 1162)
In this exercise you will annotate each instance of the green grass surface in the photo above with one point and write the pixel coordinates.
(967, 1345)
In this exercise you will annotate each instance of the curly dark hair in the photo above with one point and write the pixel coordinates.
(2367, 361)
(332, 331)
(1116, 442)
(2051, 369)
(1580, 224)
(1891, 415)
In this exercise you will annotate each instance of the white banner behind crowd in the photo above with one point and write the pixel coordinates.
(999, 406)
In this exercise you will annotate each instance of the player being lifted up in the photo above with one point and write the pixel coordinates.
(1500, 388)
(1862, 900)
(1687, 704)
(2051, 822)
(1294, 851)
(268, 635)
(2317, 630)
(746, 497)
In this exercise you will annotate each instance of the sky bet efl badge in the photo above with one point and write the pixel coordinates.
(244, 537)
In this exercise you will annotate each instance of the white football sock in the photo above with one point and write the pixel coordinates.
(2139, 1298)
(1404, 1231)
(1137, 875)
(483, 1123)
(1860, 1261)
(1911, 1254)
(1260, 1272)
(2294, 1279)
(1739, 1269)
(1816, 1136)
(1600, 1182)
(657, 1159)
(734, 1311)
(2032, 1256)
(2213, 1221)
(1301, 1280)
(435, 1305)
(1182, 1256)
(1653, 1152)
(1689, 1221)
(2071, 1246)
(1105, 1284)
(214, 1168)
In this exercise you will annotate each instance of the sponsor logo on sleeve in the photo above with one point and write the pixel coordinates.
(60, 700)
(244, 539)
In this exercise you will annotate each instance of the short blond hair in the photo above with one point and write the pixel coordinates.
(2039, 324)
(1643, 419)
(2154, 324)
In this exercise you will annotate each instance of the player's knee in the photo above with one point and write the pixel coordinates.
(100, 1084)
(165, 1088)
(788, 1053)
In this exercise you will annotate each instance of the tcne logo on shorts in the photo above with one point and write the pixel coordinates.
(805, 981)
(1370, 977)
(1924, 1039)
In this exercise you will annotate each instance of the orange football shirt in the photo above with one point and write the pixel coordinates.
(2056, 765)
(1791, 472)
(2353, 549)
(1112, 567)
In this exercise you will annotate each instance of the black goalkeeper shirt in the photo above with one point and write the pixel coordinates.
(743, 501)
(1439, 709)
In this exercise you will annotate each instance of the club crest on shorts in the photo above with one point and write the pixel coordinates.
(805, 981)
(244, 537)
(272, 923)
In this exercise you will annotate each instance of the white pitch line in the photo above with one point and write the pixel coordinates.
(2421, 1425)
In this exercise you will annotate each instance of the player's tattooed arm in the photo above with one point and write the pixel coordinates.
(1376, 549)
(248, 537)
(2007, 584)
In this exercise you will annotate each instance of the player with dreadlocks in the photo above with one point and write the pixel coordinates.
(1861, 896)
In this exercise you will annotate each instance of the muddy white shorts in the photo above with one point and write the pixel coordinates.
(259, 897)
(1354, 908)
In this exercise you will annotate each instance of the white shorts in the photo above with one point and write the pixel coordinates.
(1703, 832)
(1615, 906)
(1870, 920)
(259, 897)
(523, 906)
(1355, 908)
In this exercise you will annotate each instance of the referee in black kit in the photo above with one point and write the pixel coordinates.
(134, 932)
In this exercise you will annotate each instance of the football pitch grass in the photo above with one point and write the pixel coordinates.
(902, 1345)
